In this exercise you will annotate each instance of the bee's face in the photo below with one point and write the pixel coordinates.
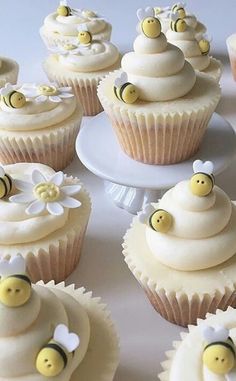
(130, 94)
(14, 292)
(84, 37)
(151, 27)
(204, 46)
(63, 11)
(179, 25)
(49, 362)
(218, 359)
(201, 184)
(161, 221)
(16, 99)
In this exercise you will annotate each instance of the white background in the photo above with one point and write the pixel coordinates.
(143, 334)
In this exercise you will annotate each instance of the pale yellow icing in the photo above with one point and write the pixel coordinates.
(158, 69)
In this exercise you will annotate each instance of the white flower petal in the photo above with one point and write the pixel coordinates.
(23, 186)
(22, 198)
(36, 207)
(31, 93)
(65, 89)
(57, 179)
(55, 98)
(55, 208)
(38, 177)
(69, 202)
(41, 99)
(66, 95)
(69, 190)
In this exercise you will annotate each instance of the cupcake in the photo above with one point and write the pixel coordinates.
(231, 45)
(195, 52)
(52, 331)
(38, 123)
(158, 107)
(82, 65)
(206, 353)
(182, 249)
(44, 218)
(164, 15)
(9, 70)
(62, 25)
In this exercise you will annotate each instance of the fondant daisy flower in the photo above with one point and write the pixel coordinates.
(42, 93)
(144, 215)
(46, 194)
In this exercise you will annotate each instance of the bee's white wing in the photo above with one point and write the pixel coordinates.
(144, 215)
(15, 265)
(205, 167)
(149, 12)
(68, 340)
(123, 78)
(174, 16)
(231, 376)
(82, 28)
(211, 334)
(141, 14)
(6, 89)
(64, 3)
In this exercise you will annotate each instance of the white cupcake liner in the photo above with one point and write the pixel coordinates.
(8, 71)
(102, 357)
(53, 146)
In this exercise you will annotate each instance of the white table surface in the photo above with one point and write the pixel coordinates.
(144, 336)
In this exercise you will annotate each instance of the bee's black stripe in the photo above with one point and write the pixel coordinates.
(116, 92)
(10, 182)
(10, 96)
(122, 89)
(21, 276)
(224, 344)
(59, 350)
(4, 185)
(68, 11)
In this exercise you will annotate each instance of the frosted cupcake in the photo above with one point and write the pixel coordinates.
(62, 25)
(44, 218)
(182, 249)
(206, 353)
(231, 45)
(159, 108)
(9, 70)
(191, 20)
(52, 331)
(195, 52)
(82, 65)
(38, 123)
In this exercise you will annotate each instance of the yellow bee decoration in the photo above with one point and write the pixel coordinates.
(11, 97)
(124, 90)
(160, 221)
(219, 351)
(54, 356)
(63, 9)
(84, 36)
(150, 25)
(5, 183)
(204, 44)
(15, 285)
(180, 9)
(202, 182)
(177, 24)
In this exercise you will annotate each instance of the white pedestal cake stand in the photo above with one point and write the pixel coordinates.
(132, 184)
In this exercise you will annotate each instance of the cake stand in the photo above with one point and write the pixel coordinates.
(131, 184)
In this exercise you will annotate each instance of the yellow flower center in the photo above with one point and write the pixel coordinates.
(69, 47)
(47, 90)
(47, 192)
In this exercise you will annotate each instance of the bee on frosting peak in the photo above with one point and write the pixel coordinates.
(150, 25)
(5, 183)
(180, 9)
(11, 97)
(177, 24)
(219, 350)
(84, 36)
(202, 182)
(15, 285)
(124, 90)
(54, 356)
(204, 44)
(158, 219)
(64, 10)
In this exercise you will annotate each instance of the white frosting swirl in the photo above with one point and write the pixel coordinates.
(99, 55)
(203, 230)
(158, 69)
(187, 42)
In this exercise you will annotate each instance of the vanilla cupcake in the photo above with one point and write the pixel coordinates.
(62, 25)
(231, 45)
(38, 123)
(195, 52)
(206, 353)
(160, 108)
(182, 249)
(9, 70)
(82, 65)
(52, 331)
(44, 218)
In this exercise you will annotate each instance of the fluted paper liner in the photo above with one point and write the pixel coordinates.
(55, 256)
(8, 71)
(102, 357)
(53, 146)
(156, 137)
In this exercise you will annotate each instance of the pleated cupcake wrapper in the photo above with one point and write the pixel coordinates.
(55, 149)
(232, 57)
(102, 357)
(8, 71)
(180, 308)
(214, 69)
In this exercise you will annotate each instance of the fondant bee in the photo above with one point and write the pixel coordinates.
(180, 9)
(202, 182)
(84, 36)
(158, 219)
(124, 90)
(54, 356)
(150, 25)
(5, 183)
(177, 24)
(204, 44)
(11, 97)
(15, 285)
(219, 351)
(64, 10)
